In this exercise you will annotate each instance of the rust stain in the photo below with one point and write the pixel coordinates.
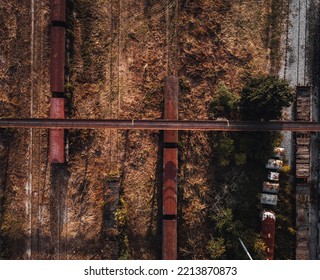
(268, 234)
(170, 167)
(58, 10)
(57, 135)
(57, 62)
(171, 92)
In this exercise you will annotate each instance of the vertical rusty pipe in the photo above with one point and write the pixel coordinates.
(57, 76)
(169, 239)
(57, 60)
(58, 11)
(171, 95)
(56, 134)
(170, 167)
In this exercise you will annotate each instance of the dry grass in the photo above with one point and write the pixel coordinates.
(120, 59)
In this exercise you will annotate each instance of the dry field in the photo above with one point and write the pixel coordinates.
(104, 202)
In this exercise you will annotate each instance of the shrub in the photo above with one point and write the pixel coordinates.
(263, 98)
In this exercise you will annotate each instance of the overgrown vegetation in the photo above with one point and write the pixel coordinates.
(10, 227)
(275, 23)
(124, 49)
(230, 229)
(239, 163)
(285, 218)
(121, 217)
(225, 104)
(264, 97)
(93, 43)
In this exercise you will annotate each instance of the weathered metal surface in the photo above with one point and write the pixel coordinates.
(302, 171)
(304, 215)
(279, 153)
(56, 135)
(268, 232)
(169, 239)
(171, 92)
(268, 199)
(270, 187)
(170, 167)
(303, 221)
(303, 91)
(56, 146)
(274, 164)
(273, 176)
(58, 10)
(303, 109)
(171, 96)
(57, 60)
(302, 155)
(57, 108)
(160, 125)
(303, 103)
(170, 136)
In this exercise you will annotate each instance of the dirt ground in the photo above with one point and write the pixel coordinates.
(104, 202)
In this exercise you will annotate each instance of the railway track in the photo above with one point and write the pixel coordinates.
(30, 147)
(300, 70)
(113, 81)
(171, 14)
(295, 65)
(38, 139)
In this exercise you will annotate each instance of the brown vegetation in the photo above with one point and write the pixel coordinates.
(121, 51)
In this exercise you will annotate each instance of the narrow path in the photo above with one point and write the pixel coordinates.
(113, 80)
(296, 68)
(36, 136)
(30, 147)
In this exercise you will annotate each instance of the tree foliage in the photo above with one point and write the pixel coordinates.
(239, 163)
(263, 98)
(225, 103)
(224, 145)
(216, 248)
(226, 243)
(285, 222)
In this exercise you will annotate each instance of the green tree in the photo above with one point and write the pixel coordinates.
(223, 146)
(216, 248)
(285, 218)
(225, 243)
(263, 98)
(239, 164)
(225, 103)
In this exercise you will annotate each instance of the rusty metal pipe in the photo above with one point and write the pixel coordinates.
(57, 59)
(56, 149)
(171, 112)
(204, 125)
(169, 239)
(58, 10)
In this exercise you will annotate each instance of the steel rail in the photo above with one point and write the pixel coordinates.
(212, 125)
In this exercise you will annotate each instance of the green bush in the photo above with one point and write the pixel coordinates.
(225, 103)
